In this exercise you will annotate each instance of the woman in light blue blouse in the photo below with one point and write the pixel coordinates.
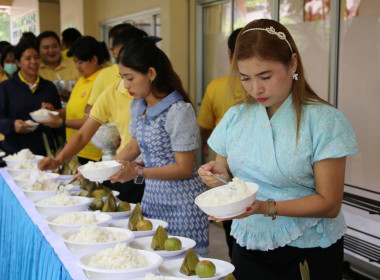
(164, 130)
(293, 145)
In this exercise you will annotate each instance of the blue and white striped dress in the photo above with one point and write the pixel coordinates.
(168, 127)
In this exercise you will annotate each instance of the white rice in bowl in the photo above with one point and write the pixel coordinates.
(95, 234)
(76, 218)
(234, 191)
(23, 165)
(119, 257)
(42, 185)
(24, 154)
(58, 200)
(91, 165)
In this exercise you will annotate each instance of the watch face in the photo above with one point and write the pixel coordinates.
(139, 180)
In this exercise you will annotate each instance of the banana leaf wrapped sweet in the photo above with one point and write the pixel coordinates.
(97, 203)
(189, 262)
(123, 206)
(159, 239)
(230, 276)
(110, 204)
(135, 217)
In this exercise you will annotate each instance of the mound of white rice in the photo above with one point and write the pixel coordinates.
(23, 165)
(24, 154)
(234, 191)
(58, 200)
(95, 234)
(76, 218)
(118, 257)
(91, 165)
(41, 112)
(29, 175)
(42, 185)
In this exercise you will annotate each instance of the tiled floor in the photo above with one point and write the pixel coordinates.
(218, 245)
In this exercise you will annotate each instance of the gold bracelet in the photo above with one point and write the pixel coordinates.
(272, 209)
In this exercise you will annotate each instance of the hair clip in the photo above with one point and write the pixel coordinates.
(272, 31)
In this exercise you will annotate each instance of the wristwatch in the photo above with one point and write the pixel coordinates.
(139, 179)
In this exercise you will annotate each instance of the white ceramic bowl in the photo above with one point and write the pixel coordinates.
(102, 219)
(21, 182)
(231, 209)
(166, 278)
(82, 248)
(100, 174)
(144, 243)
(33, 125)
(13, 172)
(82, 204)
(11, 162)
(38, 118)
(170, 268)
(105, 274)
(120, 215)
(37, 195)
(124, 224)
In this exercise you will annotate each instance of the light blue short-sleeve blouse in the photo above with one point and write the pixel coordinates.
(266, 151)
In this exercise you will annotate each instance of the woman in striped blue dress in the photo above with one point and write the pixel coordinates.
(164, 131)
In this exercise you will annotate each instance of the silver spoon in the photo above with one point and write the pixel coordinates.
(65, 184)
(218, 177)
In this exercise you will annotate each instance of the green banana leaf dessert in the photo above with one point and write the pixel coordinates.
(123, 206)
(135, 217)
(159, 239)
(110, 204)
(97, 203)
(230, 276)
(189, 263)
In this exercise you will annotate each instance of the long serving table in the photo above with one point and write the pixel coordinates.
(29, 249)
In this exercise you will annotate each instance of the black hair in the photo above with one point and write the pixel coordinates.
(140, 54)
(4, 44)
(232, 39)
(28, 36)
(47, 34)
(4, 52)
(86, 47)
(70, 35)
(118, 28)
(21, 47)
(126, 34)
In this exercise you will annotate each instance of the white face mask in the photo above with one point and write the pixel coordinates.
(10, 68)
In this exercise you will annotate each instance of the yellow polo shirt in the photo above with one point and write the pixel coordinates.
(66, 70)
(32, 87)
(113, 106)
(64, 55)
(217, 99)
(108, 76)
(3, 77)
(75, 110)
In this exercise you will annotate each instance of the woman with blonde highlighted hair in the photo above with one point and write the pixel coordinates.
(293, 144)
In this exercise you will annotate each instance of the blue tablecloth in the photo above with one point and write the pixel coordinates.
(29, 249)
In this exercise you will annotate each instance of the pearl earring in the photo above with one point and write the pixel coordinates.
(295, 76)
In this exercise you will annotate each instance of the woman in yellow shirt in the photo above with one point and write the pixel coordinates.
(89, 55)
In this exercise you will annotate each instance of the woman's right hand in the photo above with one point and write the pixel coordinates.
(205, 171)
(48, 164)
